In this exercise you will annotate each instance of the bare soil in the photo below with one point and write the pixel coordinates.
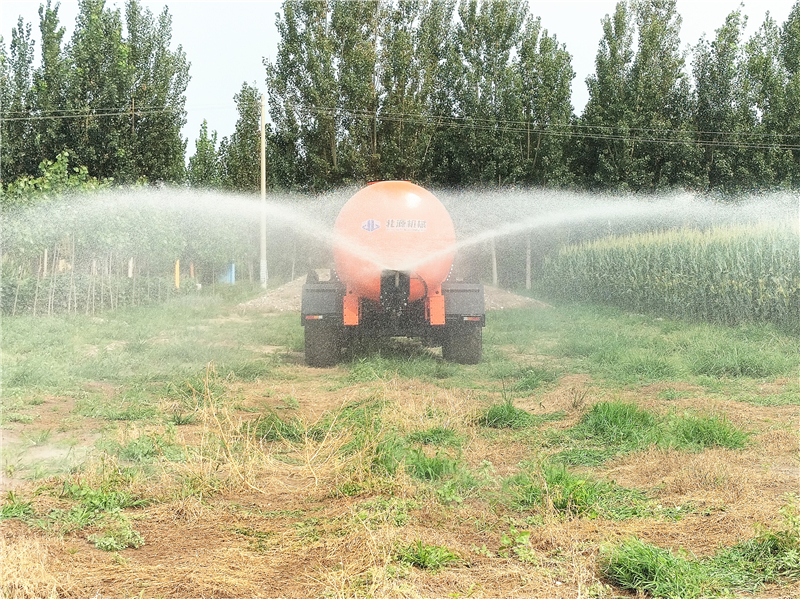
(286, 298)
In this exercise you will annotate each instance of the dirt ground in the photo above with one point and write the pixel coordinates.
(279, 529)
(286, 298)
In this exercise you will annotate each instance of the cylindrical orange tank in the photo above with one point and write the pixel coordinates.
(393, 226)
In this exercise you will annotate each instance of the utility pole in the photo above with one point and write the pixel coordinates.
(264, 275)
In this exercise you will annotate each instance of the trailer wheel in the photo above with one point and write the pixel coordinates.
(322, 345)
(463, 343)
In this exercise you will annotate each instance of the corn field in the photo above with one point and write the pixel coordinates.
(727, 274)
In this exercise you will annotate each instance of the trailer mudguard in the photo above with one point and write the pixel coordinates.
(322, 301)
(464, 301)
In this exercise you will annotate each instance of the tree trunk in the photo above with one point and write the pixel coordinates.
(494, 262)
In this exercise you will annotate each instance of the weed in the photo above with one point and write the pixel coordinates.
(379, 511)
(517, 544)
(698, 432)
(506, 415)
(670, 394)
(437, 435)
(14, 507)
(117, 538)
(424, 556)
(772, 556)
(658, 572)
(424, 467)
(19, 417)
(101, 500)
(249, 370)
(616, 423)
(259, 540)
(532, 378)
(551, 486)
(270, 427)
(578, 397)
(181, 418)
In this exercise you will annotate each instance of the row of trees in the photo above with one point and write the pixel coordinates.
(478, 92)
(446, 92)
(113, 95)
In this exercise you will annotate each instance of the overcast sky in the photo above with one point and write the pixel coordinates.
(226, 41)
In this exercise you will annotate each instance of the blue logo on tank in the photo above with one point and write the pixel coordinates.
(370, 225)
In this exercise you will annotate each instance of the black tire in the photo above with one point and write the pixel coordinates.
(322, 345)
(463, 343)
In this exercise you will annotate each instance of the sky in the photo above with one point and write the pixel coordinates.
(226, 41)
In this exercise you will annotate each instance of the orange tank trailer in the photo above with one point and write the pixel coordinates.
(393, 250)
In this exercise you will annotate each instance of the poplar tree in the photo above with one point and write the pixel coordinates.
(790, 57)
(545, 87)
(722, 114)
(114, 101)
(659, 100)
(303, 93)
(19, 155)
(157, 81)
(604, 155)
(355, 29)
(485, 98)
(240, 159)
(767, 80)
(204, 165)
(50, 84)
(416, 39)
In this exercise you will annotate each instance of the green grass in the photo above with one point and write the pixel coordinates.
(772, 556)
(624, 348)
(551, 486)
(436, 435)
(271, 427)
(612, 428)
(506, 415)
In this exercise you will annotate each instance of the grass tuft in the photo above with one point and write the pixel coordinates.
(427, 557)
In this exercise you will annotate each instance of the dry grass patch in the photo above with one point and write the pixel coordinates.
(33, 568)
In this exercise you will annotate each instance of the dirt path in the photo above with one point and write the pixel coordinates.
(286, 298)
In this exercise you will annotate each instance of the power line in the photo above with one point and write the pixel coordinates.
(83, 115)
(606, 132)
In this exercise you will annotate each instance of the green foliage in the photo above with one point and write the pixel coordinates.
(429, 468)
(55, 180)
(424, 556)
(731, 274)
(658, 572)
(101, 499)
(698, 432)
(551, 487)
(204, 167)
(122, 96)
(616, 423)
(517, 543)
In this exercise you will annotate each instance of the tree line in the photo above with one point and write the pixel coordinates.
(443, 92)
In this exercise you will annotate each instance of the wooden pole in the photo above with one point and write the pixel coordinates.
(528, 263)
(264, 274)
(494, 263)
